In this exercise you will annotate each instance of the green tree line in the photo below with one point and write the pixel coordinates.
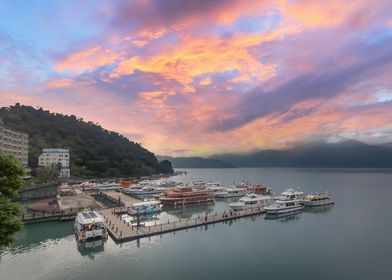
(94, 151)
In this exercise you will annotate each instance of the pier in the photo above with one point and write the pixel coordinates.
(120, 198)
(121, 231)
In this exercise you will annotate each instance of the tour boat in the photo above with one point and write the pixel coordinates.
(146, 207)
(231, 192)
(291, 194)
(254, 188)
(127, 218)
(284, 206)
(144, 190)
(251, 200)
(89, 224)
(198, 184)
(318, 199)
(184, 195)
(213, 190)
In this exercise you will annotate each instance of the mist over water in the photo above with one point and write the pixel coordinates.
(350, 240)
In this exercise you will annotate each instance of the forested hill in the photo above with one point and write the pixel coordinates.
(94, 151)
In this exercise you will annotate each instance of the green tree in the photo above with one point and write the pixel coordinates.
(48, 173)
(165, 167)
(11, 172)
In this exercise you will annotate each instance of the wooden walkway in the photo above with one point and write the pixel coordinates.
(121, 231)
(120, 198)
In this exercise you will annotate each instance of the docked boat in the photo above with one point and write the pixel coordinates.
(213, 190)
(254, 188)
(128, 218)
(144, 190)
(291, 194)
(184, 195)
(318, 199)
(198, 184)
(89, 225)
(251, 200)
(231, 192)
(284, 206)
(146, 207)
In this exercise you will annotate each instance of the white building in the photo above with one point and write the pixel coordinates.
(55, 156)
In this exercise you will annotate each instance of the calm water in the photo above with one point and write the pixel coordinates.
(351, 240)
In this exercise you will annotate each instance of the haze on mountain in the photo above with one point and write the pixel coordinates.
(343, 154)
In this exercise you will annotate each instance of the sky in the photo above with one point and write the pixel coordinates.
(188, 77)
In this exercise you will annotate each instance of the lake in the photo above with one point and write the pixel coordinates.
(350, 240)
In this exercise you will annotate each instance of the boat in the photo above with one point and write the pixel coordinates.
(291, 194)
(127, 218)
(284, 206)
(128, 183)
(254, 188)
(89, 224)
(198, 184)
(144, 190)
(184, 195)
(251, 200)
(318, 199)
(213, 190)
(231, 192)
(145, 207)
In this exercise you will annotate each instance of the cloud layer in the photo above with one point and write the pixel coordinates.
(203, 77)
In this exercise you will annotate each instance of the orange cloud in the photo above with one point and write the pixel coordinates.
(195, 57)
(59, 83)
(316, 13)
(87, 59)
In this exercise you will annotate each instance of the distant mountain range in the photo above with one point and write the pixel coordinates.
(196, 162)
(350, 153)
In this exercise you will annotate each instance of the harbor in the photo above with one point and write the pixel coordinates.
(132, 210)
(254, 242)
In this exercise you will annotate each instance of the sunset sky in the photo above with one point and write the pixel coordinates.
(188, 77)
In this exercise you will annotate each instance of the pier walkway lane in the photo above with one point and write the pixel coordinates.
(122, 231)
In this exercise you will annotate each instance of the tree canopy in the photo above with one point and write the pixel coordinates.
(11, 172)
(94, 151)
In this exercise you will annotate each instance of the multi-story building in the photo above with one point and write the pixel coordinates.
(14, 143)
(56, 156)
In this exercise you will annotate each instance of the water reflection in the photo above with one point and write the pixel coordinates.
(189, 211)
(323, 209)
(34, 235)
(284, 217)
(91, 247)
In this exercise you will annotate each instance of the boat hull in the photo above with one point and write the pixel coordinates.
(318, 203)
(283, 210)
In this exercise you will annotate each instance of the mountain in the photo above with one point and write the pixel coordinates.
(196, 162)
(341, 154)
(94, 151)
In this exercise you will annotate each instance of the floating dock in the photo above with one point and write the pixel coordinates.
(120, 198)
(121, 231)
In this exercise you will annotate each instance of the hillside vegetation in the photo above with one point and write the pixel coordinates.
(94, 151)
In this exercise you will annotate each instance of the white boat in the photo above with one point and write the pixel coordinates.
(127, 218)
(144, 190)
(89, 224)
(230, 192)
(318, 199)
(146, 207)
(251, 200)
(213, 190)
(291, 194)
(284, 206)
(197, 184)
